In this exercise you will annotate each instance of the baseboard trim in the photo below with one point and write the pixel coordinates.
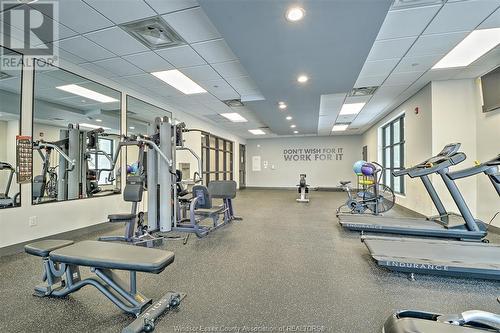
(18, 248)
(289, 188)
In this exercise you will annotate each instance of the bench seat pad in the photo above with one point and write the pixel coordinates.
(44, 247)
(114, 256)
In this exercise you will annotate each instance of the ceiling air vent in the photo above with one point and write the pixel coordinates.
(4, 76)
(153, 32)
(233, 103)
(362, 91)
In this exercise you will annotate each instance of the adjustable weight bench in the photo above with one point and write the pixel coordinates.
(61, 275)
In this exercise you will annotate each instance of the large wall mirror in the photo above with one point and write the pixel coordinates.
(140, 121)
(10, 116)
(76, 130)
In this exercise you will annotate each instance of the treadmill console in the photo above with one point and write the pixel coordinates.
(449, 149)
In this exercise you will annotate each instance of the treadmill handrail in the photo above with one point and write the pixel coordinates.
(468, 172)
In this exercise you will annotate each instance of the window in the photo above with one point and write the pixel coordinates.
(99, 161)
(393, 149)
(217, 158)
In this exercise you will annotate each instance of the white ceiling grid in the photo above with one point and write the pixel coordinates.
(91, 38)
(420, 37)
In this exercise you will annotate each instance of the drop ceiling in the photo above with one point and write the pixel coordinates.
(246, 49)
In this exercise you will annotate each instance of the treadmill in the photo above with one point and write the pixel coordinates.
(473, 321)
(442, 257)
(445, 225)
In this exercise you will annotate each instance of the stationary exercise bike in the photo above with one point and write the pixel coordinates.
(376, 198)
(303, 189)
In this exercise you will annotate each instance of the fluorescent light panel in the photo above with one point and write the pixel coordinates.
(351, 108)
(179, 81)
(339, 127)
(475, 45)
(257, 132)
(87, 93)
(234, 117)
(93, 126)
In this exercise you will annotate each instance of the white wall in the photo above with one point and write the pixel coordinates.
(455, 106)
(418, 145)
(281, 173)
(60, 217)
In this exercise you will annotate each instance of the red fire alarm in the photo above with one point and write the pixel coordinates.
(417, 110)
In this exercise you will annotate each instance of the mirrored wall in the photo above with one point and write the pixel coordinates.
(10, 116)
(76, 129)
(140, 119)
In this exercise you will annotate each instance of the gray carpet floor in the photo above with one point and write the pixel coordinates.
(285, 266)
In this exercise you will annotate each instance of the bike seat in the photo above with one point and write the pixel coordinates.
(345, 182)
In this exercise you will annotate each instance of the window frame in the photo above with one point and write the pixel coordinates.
(391, 147)
(220, 145)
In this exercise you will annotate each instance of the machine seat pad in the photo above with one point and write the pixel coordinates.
(345, 182)
(121, 217)
(114, 256)
(44, 247)
(208, 211)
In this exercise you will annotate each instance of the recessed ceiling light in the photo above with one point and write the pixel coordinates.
(234, 117)
(351, 108)
(99, 120)
(302, 79)
(132, 127)
(257, 132)
(179, 81)
(282, 106)
(295, 132)
(289, 118)
(295, 14)
(93, 126)
(84, 92)
(339, 127)
(293, 126)
(476, 44)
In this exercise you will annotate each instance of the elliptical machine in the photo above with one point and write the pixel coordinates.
(5, 200)
(303, 189)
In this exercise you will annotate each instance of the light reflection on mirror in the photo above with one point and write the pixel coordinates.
(76, 128)
(10, 115)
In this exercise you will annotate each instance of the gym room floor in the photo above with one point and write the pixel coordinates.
(285, 264)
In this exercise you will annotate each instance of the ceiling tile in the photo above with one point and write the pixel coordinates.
(91, 67)
(167, 6)
(149, 62)
(378, 68)
(214, 51)
(128, 10)
(415, 64)
(181, 56)
(390, 48)
(80, 17)
(117, 41)
(461, 16)
(331, 104)
(192, 24)
(153, 84)
(492, 22)
(251, 95)
(216, 86)
(85, 48)
(70, 57)
(201, 73)
(230, 69)
(368, 81)
(406, 22)
(436, 44)
(243, 85)
(402, 78)
(118, 66)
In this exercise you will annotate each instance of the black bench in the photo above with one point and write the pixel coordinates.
(61, 275)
